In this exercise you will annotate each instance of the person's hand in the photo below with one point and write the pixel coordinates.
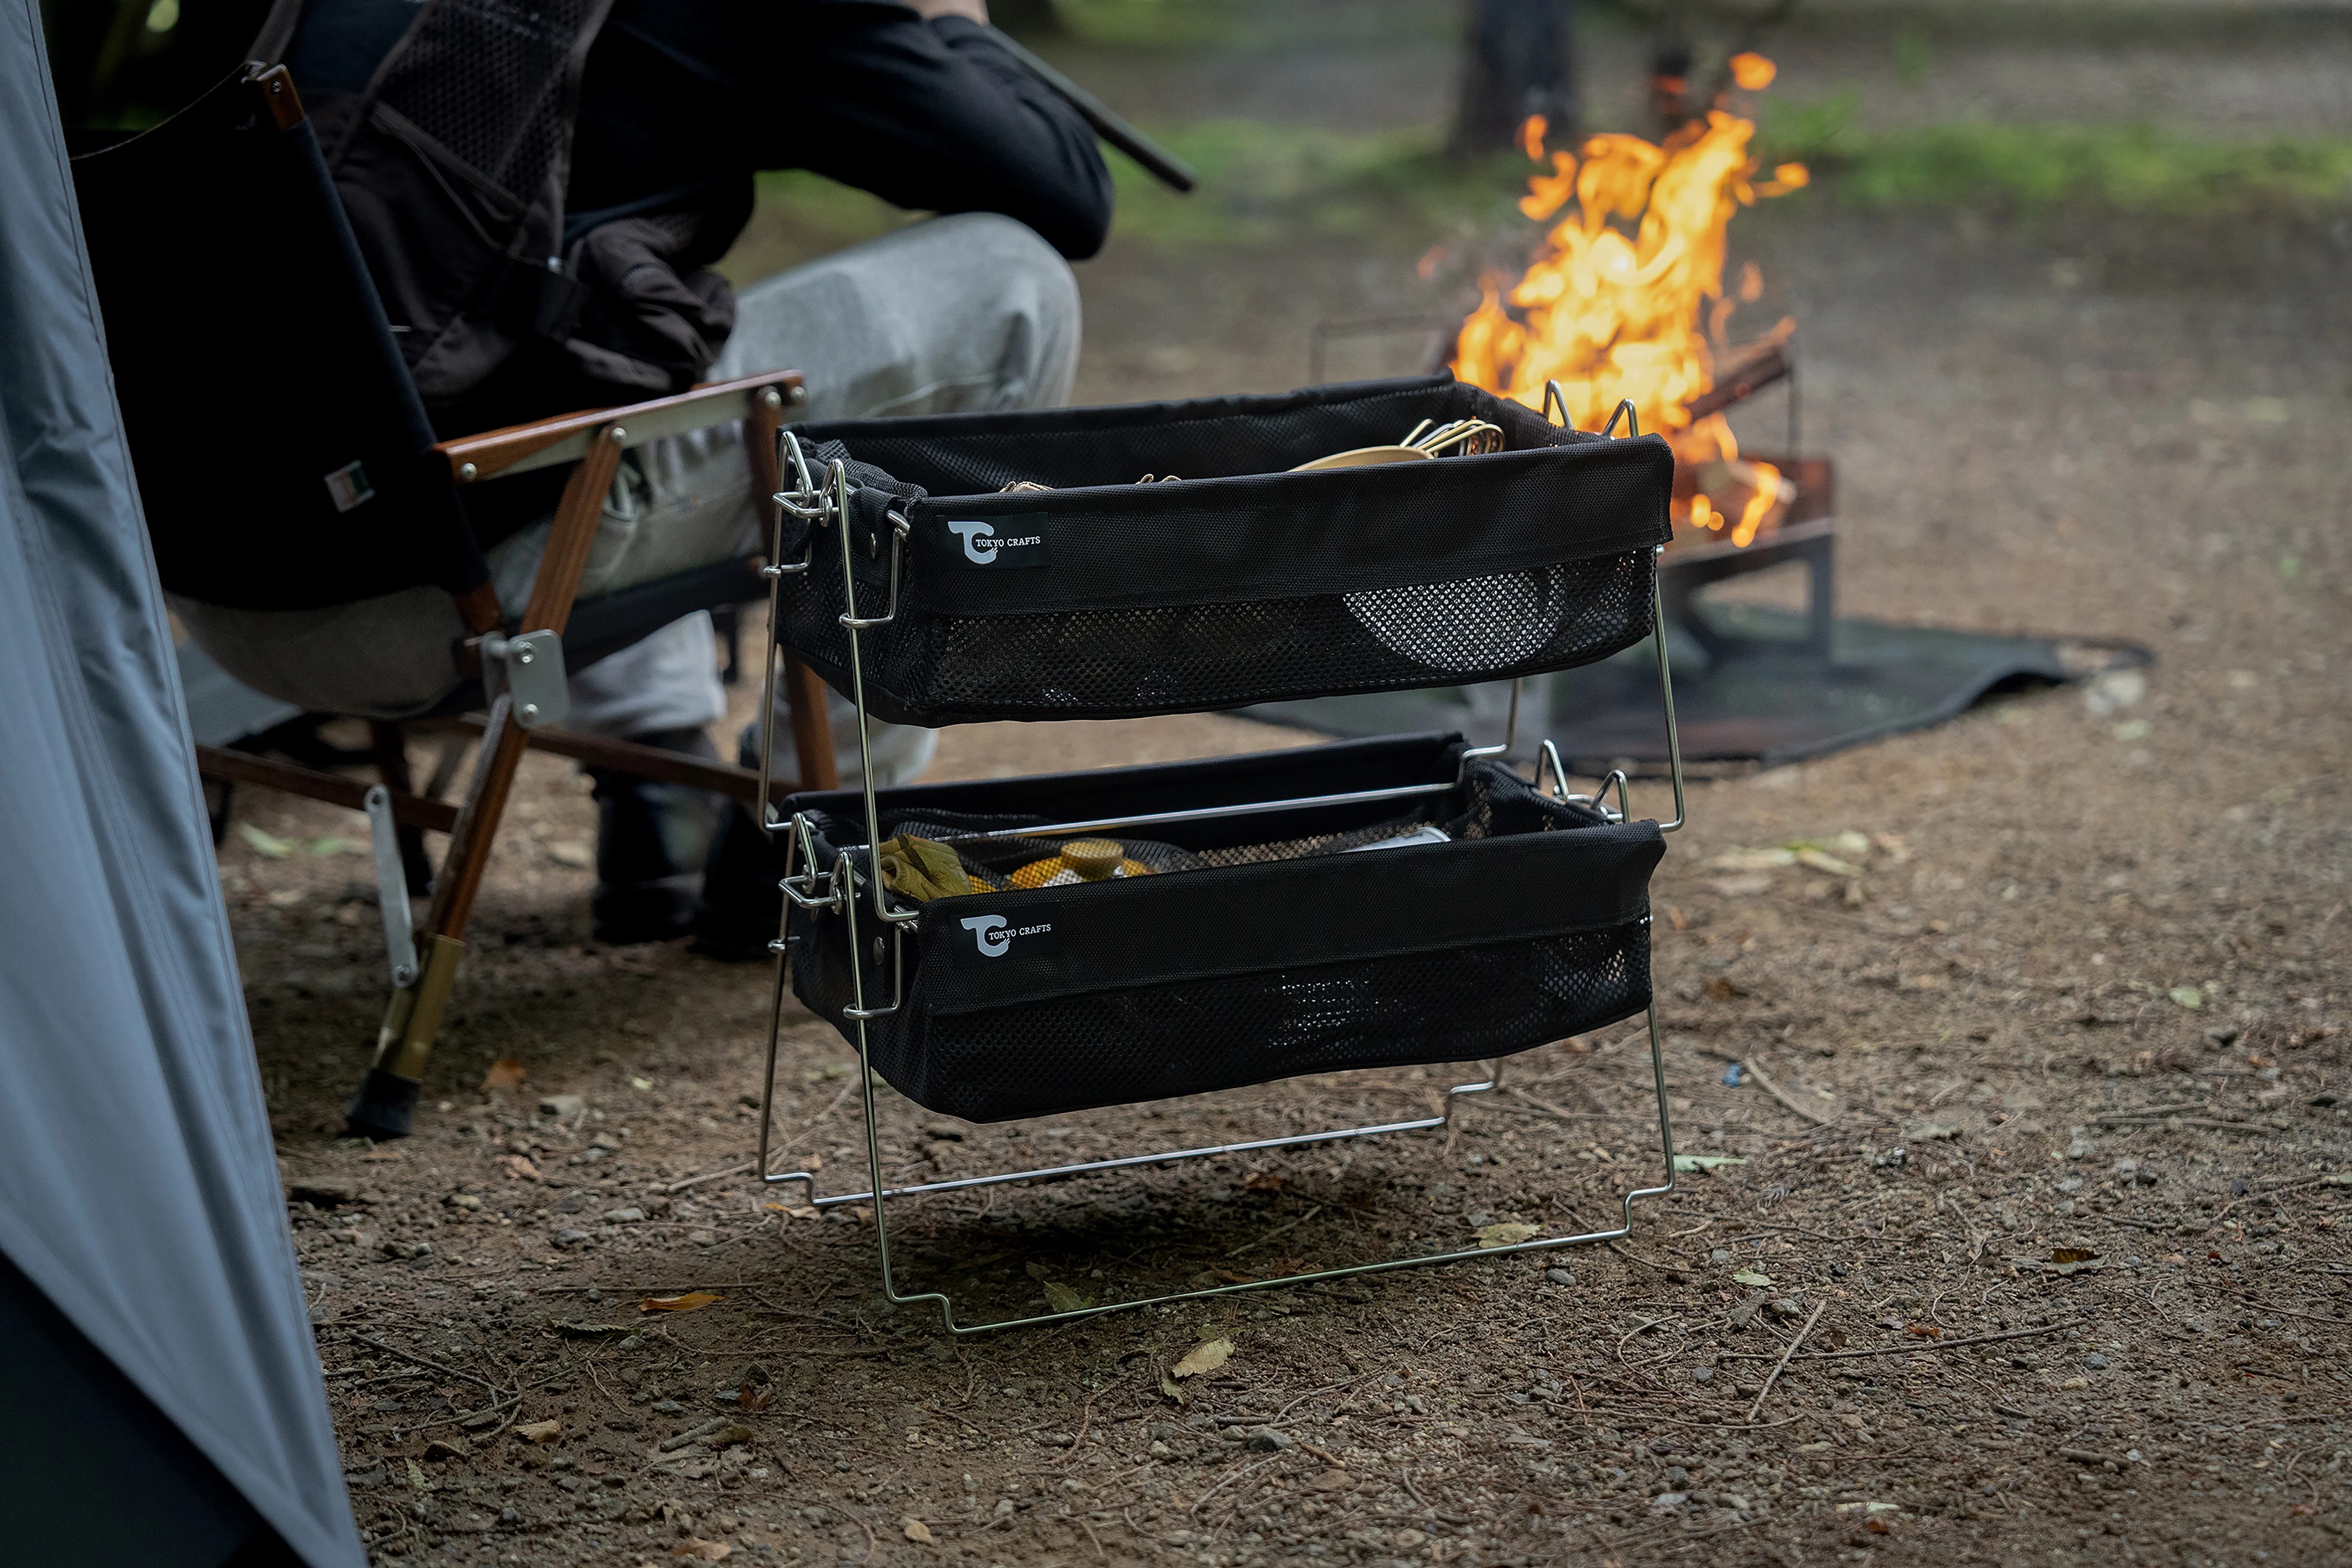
(974, 10)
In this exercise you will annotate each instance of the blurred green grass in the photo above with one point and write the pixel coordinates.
(2133, 169)
(1268, 184)
(1260, 184)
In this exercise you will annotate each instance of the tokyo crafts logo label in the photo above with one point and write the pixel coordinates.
(977, 939)
(1005, 543)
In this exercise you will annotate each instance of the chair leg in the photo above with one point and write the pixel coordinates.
(386, 1101)
(805, 699)
(390, 743)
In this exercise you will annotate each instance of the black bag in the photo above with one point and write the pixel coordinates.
(1237, 582)
(1274, 943)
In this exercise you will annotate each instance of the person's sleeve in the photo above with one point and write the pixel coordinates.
(937, 116)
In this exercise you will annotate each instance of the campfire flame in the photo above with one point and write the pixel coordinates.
(1620, 303)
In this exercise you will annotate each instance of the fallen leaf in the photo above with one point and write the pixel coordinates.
(1686, 1162)
(918, 1530)
(2188, 996)
(505, 1073)
(1820, 861)
(2073, 1255)
(732, 1433)
(687, 1302)
(448, 1448)
(1062, 1299)
(539, 1431)
(1206, 1356)
(2076, 1382)
(1263, 1182)
(702, 1550)
(1753, 859)
(1168, 1386)
(268, 844)
(1507, 1234)
(805, 1211)
(1753, 1280)
(1927, 1331)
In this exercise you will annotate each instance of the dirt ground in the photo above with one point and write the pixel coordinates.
(2019, 1236)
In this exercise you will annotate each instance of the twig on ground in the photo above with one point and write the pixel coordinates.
(1278, 1230)
(1661, 1267)
(1764, 1081)
(436, 1367)
(2088, 1457)
(1436, 1512)
(1791, 1349)
(1906, 1349)
(710, 1176)
(1085, 1420)
(664, 1290)
(1229, 1481)
(2143, 1119)
(1561, 1111)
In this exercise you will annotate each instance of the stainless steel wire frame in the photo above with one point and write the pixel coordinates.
(802, 882)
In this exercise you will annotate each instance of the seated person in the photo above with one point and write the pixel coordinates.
(679, 104)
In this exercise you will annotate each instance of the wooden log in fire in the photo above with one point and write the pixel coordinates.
(1747, 374)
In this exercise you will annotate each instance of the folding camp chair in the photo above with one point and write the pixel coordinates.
(284, 461)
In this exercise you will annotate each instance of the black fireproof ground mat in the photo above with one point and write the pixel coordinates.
(1760, 696)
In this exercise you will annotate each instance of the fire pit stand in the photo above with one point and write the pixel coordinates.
(1754, 684)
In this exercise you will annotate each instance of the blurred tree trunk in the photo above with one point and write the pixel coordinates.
(1517, 59)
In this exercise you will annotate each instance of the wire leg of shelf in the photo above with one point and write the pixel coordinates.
(880, 1194)
(1127, 1161)
(1666, 690)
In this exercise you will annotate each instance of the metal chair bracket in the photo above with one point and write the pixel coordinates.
(530, 666)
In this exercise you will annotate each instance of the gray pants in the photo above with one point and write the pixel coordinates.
(967, 312)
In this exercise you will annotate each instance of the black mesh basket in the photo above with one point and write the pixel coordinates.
(1231, 581)
(1456, 914)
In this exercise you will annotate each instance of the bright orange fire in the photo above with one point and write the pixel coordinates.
(1614, 307)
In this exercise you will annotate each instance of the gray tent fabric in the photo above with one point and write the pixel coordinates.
(137, 1184)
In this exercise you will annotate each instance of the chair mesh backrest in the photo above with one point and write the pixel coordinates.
(458, 78)
(283, 456)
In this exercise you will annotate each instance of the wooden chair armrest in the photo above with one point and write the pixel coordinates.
(544, 443)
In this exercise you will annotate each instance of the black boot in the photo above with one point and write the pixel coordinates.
(741, 901)
(651, 841)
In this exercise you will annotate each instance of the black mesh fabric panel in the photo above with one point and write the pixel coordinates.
(1242, 583)
(213, 216)
(1258, 948)
(488, 81)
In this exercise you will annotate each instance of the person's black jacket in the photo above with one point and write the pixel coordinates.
(685, 101)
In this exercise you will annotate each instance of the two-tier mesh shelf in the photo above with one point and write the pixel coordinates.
(1405, 901)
